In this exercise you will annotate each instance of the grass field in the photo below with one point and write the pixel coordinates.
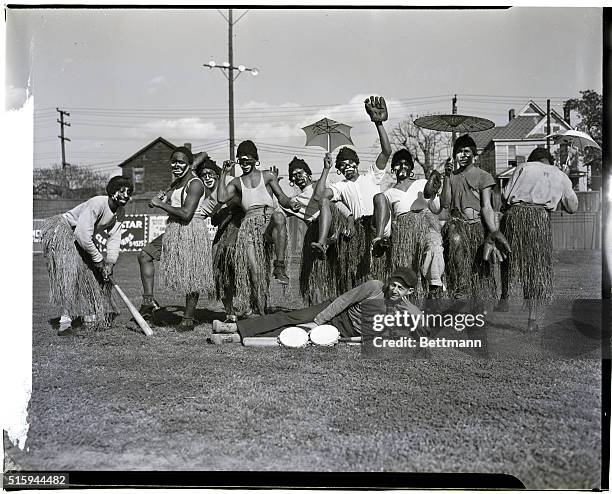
(117, 400)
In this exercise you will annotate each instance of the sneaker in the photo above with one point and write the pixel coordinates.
(186, 324)
(220, 339)
(66, 329)
(224, 327)
(279, 273)
(380, 246)
(148, 307)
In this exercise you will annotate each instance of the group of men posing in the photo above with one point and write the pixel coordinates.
(355, 233)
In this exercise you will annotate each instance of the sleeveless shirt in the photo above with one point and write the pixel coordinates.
(255, 196)
(177, 196)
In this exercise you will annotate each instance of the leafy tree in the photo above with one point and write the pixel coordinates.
(589, 108)
(429, 148)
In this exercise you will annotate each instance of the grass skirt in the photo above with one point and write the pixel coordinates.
(186, 259)
(224, 248)
(74, 284)
(355, 256)
(468, 274)
(529, 233)
(319, 278)
(251, 234)
(409, 242)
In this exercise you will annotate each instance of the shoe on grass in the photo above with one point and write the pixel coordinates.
(224, 327)
(148, 307)
(220, 339)
(66, 329)
(186, 324)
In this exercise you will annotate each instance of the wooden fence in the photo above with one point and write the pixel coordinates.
(578, 231)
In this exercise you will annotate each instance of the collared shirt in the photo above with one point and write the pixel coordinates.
(361, 303)
(358, 196)
(542, 185)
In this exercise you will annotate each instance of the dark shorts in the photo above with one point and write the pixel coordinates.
(154, 248)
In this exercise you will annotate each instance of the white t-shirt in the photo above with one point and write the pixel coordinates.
(358, 196)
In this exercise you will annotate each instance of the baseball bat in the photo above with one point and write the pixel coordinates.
(135, 314)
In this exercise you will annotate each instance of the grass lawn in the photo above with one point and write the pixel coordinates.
(116, 400)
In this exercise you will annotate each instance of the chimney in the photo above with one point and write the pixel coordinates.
(567, 113)
(511, 115)
(187, 145)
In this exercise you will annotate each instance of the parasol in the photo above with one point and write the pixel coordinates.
(454, 123)
(574, 138)
(327, 134)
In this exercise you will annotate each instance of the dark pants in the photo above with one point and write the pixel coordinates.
(273, 324)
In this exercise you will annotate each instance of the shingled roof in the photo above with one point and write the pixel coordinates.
(151, 144)
(519, 128)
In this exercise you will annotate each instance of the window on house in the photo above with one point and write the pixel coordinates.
(138, 179)
(511, 155)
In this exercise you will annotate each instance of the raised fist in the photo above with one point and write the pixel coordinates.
(376, 107)
(228, 166)
(327, 161)
(448, 167)
(433, 185)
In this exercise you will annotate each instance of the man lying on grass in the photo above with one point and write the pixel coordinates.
(351, 313)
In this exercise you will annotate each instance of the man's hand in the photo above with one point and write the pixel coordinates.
(295, 204)
(496, 248)
(274, 171)
(327, 161)
(433, 185)
(376, 107)
(101, 268)
(107, 270)
(349, 230)
(157, 201)
(228, 166)
(448, 167)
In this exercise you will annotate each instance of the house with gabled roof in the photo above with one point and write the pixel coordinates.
(148, 167)
(500, 149)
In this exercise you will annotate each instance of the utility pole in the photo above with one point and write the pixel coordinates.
(230, 79)
(454, 137)
(229, 66)
(548, 124)
(62, 138)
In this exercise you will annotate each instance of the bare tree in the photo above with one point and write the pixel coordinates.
(74, 181)
(429, 148)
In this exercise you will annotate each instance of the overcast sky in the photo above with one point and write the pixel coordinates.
(129, 76)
